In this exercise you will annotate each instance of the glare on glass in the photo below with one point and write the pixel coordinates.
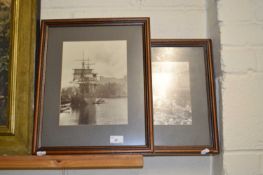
(171, 88)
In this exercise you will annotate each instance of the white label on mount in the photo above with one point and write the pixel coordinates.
(116, 139)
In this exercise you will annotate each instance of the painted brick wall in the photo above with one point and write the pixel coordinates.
(241, 27)
(214, 33)
(169, 18)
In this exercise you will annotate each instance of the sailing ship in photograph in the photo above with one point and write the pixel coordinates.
(87, 81)
(92, 98)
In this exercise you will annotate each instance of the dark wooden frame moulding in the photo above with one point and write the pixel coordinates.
(210, 84)
(141, 21)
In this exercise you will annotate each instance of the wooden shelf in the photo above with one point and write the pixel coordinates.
(71, 162)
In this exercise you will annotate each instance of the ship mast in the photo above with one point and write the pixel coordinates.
(83, 60)
(85, 77)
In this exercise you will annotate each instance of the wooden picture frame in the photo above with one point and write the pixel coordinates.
(80, 60)
(184, 102)
(15, 136)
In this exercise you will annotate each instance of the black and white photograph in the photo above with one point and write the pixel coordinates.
(94, 83)
(171, 87)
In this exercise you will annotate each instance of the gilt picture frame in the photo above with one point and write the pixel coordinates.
(15, 131)
(94, 87)
(184, 102)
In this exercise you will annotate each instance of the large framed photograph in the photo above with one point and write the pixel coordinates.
(94, 87)
(184, 106)
(17, 51)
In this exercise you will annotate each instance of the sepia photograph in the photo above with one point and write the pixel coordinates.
(5, 16)
(94, 83)
(171, 88)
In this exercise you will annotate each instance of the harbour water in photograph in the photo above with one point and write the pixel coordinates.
(110, 112)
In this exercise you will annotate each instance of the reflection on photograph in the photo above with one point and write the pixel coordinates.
(94, 83)
(5, 11)
(171, 93)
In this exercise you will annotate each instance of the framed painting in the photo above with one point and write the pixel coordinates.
(184, 104)
(5, 13)
(94, 87)
(17, 49)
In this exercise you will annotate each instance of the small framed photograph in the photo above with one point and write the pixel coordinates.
(184, 106)
(94, 87)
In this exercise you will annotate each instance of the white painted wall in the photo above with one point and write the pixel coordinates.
(169, 18)
(241, 27)
(214, 33)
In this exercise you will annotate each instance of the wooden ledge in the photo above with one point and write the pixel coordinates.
(71, 162)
